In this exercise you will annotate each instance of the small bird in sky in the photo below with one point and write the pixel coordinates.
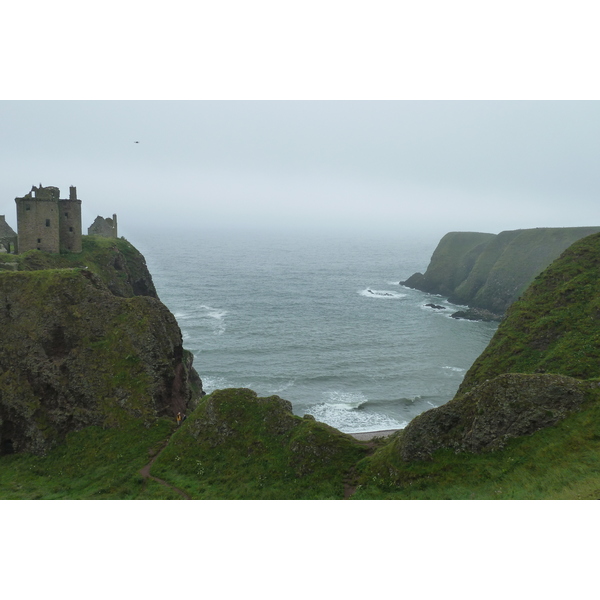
(136, 142)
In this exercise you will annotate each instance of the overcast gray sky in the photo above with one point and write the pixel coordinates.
(371, 165)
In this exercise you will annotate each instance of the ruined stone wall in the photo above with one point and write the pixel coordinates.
(8, 238)
(104, 227)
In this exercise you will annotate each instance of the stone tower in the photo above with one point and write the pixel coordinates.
(47, 223)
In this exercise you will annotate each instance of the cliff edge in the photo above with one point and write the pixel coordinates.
(86, 341)
(489, 272)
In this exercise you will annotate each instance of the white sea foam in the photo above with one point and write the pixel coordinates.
(214, 314)
(455, 369)
(342, 410)
(204, 314)
(385, 294)
(281, 388)
(210, 384)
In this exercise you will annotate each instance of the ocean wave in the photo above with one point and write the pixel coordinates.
(455, 369)
(342, 410)
(206, 315)
(386, 294)
(213, 313)
(283, 387)
(210, 384)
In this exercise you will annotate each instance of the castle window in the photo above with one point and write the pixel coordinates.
(47, 222)
(67, 215)
(39, 240)
(27, 207)
(70, 229)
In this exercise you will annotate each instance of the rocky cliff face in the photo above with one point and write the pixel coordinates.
(489, 272)
(497, 410)
(80, 348)
(542, 363)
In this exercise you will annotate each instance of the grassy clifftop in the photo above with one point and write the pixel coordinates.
(116, 262)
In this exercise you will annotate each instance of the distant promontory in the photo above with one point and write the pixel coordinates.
(487, 272)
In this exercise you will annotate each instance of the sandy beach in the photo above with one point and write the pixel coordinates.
(368, 435)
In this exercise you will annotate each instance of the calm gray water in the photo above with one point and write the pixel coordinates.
(320, 320)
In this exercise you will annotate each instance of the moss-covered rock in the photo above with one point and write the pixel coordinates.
(74, 354)
(238, 445)
(483, 419)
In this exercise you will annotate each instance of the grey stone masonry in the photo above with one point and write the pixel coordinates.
(48, 223)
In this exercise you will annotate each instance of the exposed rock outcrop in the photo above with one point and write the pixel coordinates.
(483, 419)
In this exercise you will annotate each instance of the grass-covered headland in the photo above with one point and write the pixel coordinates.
(525, 424)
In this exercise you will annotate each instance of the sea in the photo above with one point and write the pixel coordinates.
(319, 319)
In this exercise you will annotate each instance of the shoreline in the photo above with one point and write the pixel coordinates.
(369, 435)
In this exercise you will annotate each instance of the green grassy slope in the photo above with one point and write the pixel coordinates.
(238, 446)
(92, 464)
(555, 327)
(559, 462)
(233, 446)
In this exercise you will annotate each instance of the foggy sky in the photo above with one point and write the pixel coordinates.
(372, 166)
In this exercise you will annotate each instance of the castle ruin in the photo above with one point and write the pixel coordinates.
(48, 223)
(104, 227)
